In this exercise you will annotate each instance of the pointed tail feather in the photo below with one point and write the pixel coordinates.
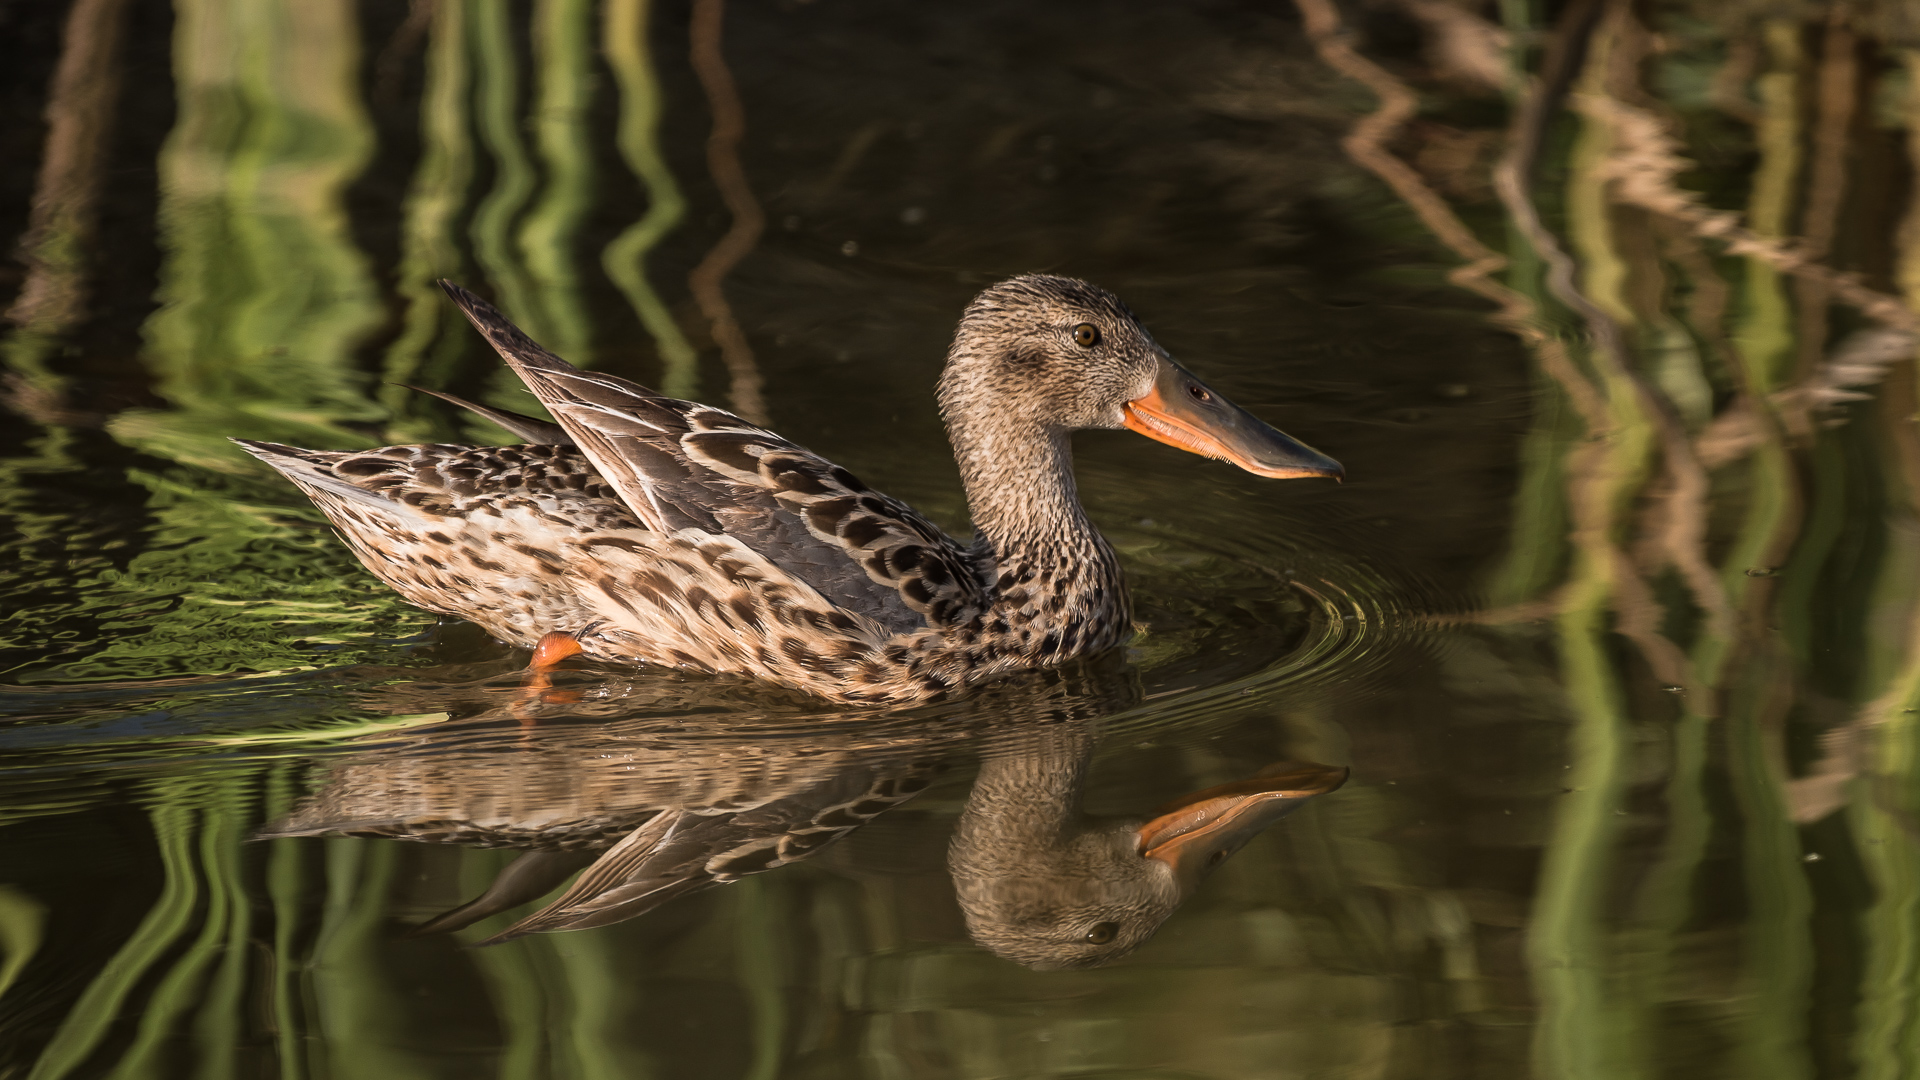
(312, 472)
(284, 457)
(536, 432)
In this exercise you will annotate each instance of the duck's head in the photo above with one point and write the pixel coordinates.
(1045, 354)
(1097, 893)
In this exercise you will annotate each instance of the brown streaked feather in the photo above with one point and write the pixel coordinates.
(682, 464)
(523, 540)
(477, 532)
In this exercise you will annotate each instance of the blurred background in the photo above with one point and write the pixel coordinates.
(1608, 308)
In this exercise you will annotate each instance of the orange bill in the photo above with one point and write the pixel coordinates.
(1195, 833)
(1182, 411)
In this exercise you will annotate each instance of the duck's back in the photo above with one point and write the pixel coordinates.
(804, 577)
(482, 533)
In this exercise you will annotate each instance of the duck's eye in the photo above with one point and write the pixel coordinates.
(1086, 335)
(1199, 393)
(1102, 933)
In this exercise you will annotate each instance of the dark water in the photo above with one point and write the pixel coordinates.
(1616, 621)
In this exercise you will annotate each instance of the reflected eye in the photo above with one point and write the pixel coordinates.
(1087, 335)
(1102, 933)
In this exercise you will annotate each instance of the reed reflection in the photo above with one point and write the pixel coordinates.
(1716, 525)
(649, 808)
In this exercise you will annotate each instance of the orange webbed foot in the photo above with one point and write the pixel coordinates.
(548, 652)
(552, 648)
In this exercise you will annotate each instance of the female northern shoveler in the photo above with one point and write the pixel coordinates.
(645, 529)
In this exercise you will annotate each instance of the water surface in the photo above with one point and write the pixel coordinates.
(1614, 621)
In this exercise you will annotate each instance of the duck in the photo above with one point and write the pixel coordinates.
(642, 529)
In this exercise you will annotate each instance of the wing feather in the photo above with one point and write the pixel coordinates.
(680, 464)
(534, 432)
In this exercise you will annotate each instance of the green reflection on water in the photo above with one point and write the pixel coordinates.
(264, 295)
(496, 67)
(624, 259)
(222, 584)
(100, 1005)
(763, 965)
(434, 337)
(550, 232)
(512, 983)
(1881, 805)
(1584, 1030)
(264, 298)
(359, 1017)
(1779, 955)
(1677, 801)
(22, 922)
(286, 889)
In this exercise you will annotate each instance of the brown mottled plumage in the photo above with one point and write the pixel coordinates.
(671, 532)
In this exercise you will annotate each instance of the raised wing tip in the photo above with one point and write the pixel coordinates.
(511, 342)
(465, 299)
(480, 313)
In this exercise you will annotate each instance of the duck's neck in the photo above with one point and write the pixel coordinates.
(1023, 501)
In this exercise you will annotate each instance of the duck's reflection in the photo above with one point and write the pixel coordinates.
(1046, 886)
(645, 810)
